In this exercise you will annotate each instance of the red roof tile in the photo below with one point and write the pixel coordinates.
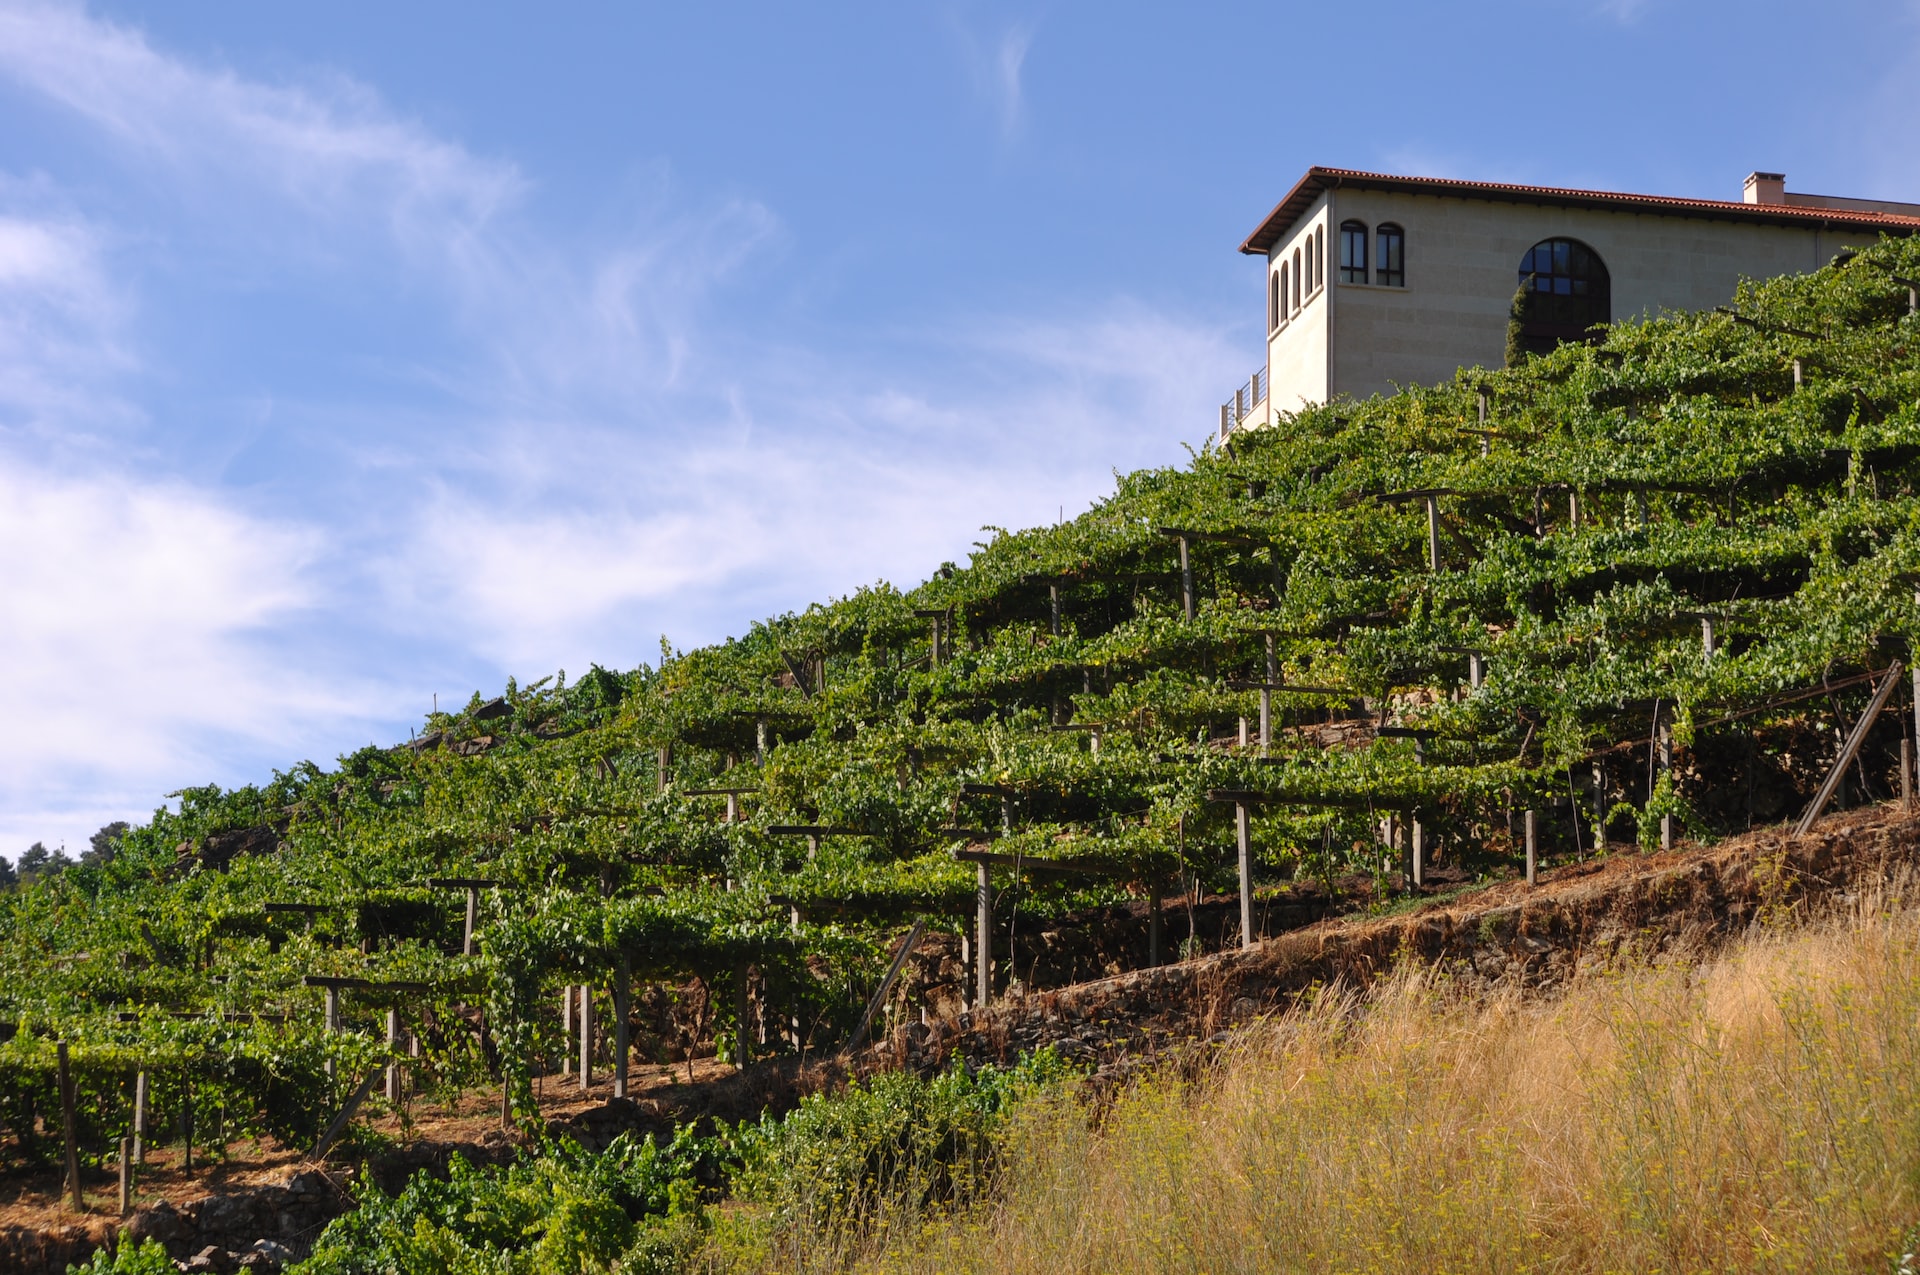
(1308, 188)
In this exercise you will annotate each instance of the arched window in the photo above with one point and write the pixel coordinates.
(1280, 296)
(1273, 300)
(1567, 292)
(1390, 261)
(1353, 252)
(1319, 256)
(1299, 277)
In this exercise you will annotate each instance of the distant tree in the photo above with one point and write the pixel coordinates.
(1517, 322)
(104, 844)
(8, 877)
(39, 862)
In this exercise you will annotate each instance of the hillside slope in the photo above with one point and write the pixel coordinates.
(1652, 577)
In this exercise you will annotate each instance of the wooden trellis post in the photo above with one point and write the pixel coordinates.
(1665, 729)
(566, 1029)
(1186, 581)
(984, 861)
(622, 1046)
(665, 761)
(140, 1117)
(1417, 831)
(732, 795)
(68, 1131)
(586, 1038)
(473, 886)
(982, 935)
(813, 832)
(1849, 750)
(1532, 850)
(1154, 926)
(742, 1007)
(1266, 698)
(879, 998)
(393, 1054)
(1430, 496)
(126, 1176)
(937, 650)
(1053, 606)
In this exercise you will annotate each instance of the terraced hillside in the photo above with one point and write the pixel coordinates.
(1640, 587)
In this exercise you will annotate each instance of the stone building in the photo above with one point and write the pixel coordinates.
(1374, 280)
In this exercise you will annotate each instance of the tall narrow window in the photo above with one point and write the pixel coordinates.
(1273, 300)
(1280, 296)
(1319, 256)
(1390, 262)
(1353, 252)
(1299, 277)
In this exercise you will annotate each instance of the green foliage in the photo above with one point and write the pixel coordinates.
(1704, 482)
(148, 1257)
(558, 1210)
(896, 1141)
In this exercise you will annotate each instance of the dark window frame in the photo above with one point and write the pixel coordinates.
(1390, 255)
(1571, 291)
(1353, 235)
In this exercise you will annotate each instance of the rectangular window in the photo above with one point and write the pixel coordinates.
(1390, 265)
(1353, 253)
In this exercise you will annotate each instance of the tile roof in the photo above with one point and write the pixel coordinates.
(1316, 180)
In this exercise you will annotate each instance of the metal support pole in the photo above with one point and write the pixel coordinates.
(1243, 836)
(1533, 856)
(982, 936)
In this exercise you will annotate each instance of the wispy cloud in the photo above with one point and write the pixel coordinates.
(995, 61)
(586, 454)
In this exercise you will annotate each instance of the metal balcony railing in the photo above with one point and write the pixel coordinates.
(1243, 403)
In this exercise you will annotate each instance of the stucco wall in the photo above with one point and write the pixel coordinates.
(1462, 263)
(1297, 363)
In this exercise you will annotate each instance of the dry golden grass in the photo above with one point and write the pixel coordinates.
(1758, 1113)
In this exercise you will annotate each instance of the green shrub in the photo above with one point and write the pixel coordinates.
(559, 1211)
(145, 1258)
(895, 1142)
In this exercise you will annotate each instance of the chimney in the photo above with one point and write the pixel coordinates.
(1766, 188)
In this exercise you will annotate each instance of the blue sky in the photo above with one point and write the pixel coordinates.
(354, 354)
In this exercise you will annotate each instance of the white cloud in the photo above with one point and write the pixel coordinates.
(132, 634)
(602, 460)
(330, 150)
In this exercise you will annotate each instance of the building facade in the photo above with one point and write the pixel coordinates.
(1374, 281)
